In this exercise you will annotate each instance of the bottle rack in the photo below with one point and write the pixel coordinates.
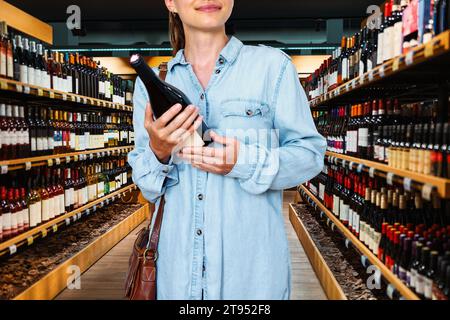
(23, 89)
(9, 247)
(367, 257)
(421, 64)
(426, 184)
(27, 163)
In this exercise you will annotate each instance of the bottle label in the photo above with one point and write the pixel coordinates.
(124, 178)
(45, 210)
(398, 38)
(23, 74)
(92, 192)
(350, 218)
(62, 204)
(101, 87)
(387, 34)
(69, 84)
(402, 274)
(76, 199)
(380, 48)
(7, 222)
(31, 76)
(72, 142)
(34, 211)
(356, 224)
(101, 189)
(67, 198)
(428, 288)
(51, 208)
(363, 134)
(2, 63)
(420, 284)
(335, 205)
(25, 217)
(413, 276)
(85, 195)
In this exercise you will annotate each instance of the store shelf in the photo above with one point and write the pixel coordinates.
(22, 89)
(387, 274)
(56, 281)
(329, 283)
(410, 180)
(27, 238)
(425, 64)
(26, 163)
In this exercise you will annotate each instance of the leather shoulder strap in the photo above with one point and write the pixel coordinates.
(163, 71)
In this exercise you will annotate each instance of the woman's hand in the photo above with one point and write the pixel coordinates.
(214, 160)
(165, 136)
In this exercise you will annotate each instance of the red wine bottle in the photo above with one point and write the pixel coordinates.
(162, 95)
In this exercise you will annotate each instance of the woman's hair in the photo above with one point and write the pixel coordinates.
(176, 32)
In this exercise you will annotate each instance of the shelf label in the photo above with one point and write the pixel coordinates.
(98, 154)
(58, 161)
(51, 94)
(103, 154)
(361, 79)
(372, 172)
(68, 159)
(113, 198)
(88, 212)
(79, 215)
(407, 184)
(84, 101)
(409, 58)
(426, 191)
(370, 76)
(389, 178)
(27, 166)
(78, 99)
(55, 228)
(429, 49)
(26, 89)
(44, 233)
(72, 98)
(364, 261)
(91, 156)
(350, 165)
(50, 162)
(107, 201)
(102, 204)
(75, 158)
(19, 88)
(67, 221)
(347, 242)
(94, 208)
(74, 218)
(390, 291)
(344, 163)
(332, 226)
(12, 249)
(347, 87)
(360, 168)
(3, 85)
(30, 240)
(396, 64)
(64, 96)
(321, 214)
(40, 92)
(4, 169)
(381, 71)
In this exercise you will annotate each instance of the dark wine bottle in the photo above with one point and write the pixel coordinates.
(162, 95)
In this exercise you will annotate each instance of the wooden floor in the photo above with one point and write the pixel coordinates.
(104, 280)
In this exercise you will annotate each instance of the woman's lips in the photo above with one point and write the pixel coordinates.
(209, 8)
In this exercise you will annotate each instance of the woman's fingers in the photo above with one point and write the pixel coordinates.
(201, 159)
(183, 134)
(148, 116)
(219, 139)
(167, 116)
(179, 120)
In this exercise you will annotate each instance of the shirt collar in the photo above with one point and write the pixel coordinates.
(230, 53)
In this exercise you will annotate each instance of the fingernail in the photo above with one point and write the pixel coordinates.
(178, 106)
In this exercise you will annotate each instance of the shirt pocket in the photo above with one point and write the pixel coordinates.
(245, 114)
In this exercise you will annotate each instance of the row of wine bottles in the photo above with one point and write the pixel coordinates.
(29, 62)
(407, 137)
(29, 198)
(408, 233)
(48, 131)
(403, 25)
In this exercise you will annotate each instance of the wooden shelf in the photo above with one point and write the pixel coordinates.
(18, 164)
(387, 274)
(329, 283)
(44, 93)
(417, 180)
(426, 62)
(56, 281)
(10, 246)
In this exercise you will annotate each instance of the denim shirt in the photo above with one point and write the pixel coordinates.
(223, 237)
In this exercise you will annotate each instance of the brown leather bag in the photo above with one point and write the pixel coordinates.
(141, 278)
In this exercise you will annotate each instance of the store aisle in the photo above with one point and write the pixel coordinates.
(104, 280)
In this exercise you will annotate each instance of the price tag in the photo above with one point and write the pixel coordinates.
(79, 215)
(64, 96)
(51, 94)
(113, 198)
(72, 98)
(395, 64)
(44, 233)
(67, 159)
(78, 99)
(40, 92)
(74, 218)
(364, 261)
(12, 249)
(91, 156)
(19, 88)
(332, 226)
(88, 212)
(26, 90)
(107, 201)
(4, 169)
(84, 101)
(55, 228)
(75, 158)
(409, 59)
(347, 242)
(103, 154)
(98, 154)
(58, 161)
(347, 87)
(67, 221)
(429, 49)
(321, 214)
(390, 291)
(426, 191)
(370, 76)
(27, 166)
(372, 172)
(381, 71)
(109, 153)
(360, 168)
(344, 163)
(30, 240)
(407, 184)
(102, 204)
(3, 85)
(362, 79)
(389, 178)
(50, 162)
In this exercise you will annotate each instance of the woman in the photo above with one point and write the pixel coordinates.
(223, 233)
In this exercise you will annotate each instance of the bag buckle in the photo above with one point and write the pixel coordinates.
(155, 257)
